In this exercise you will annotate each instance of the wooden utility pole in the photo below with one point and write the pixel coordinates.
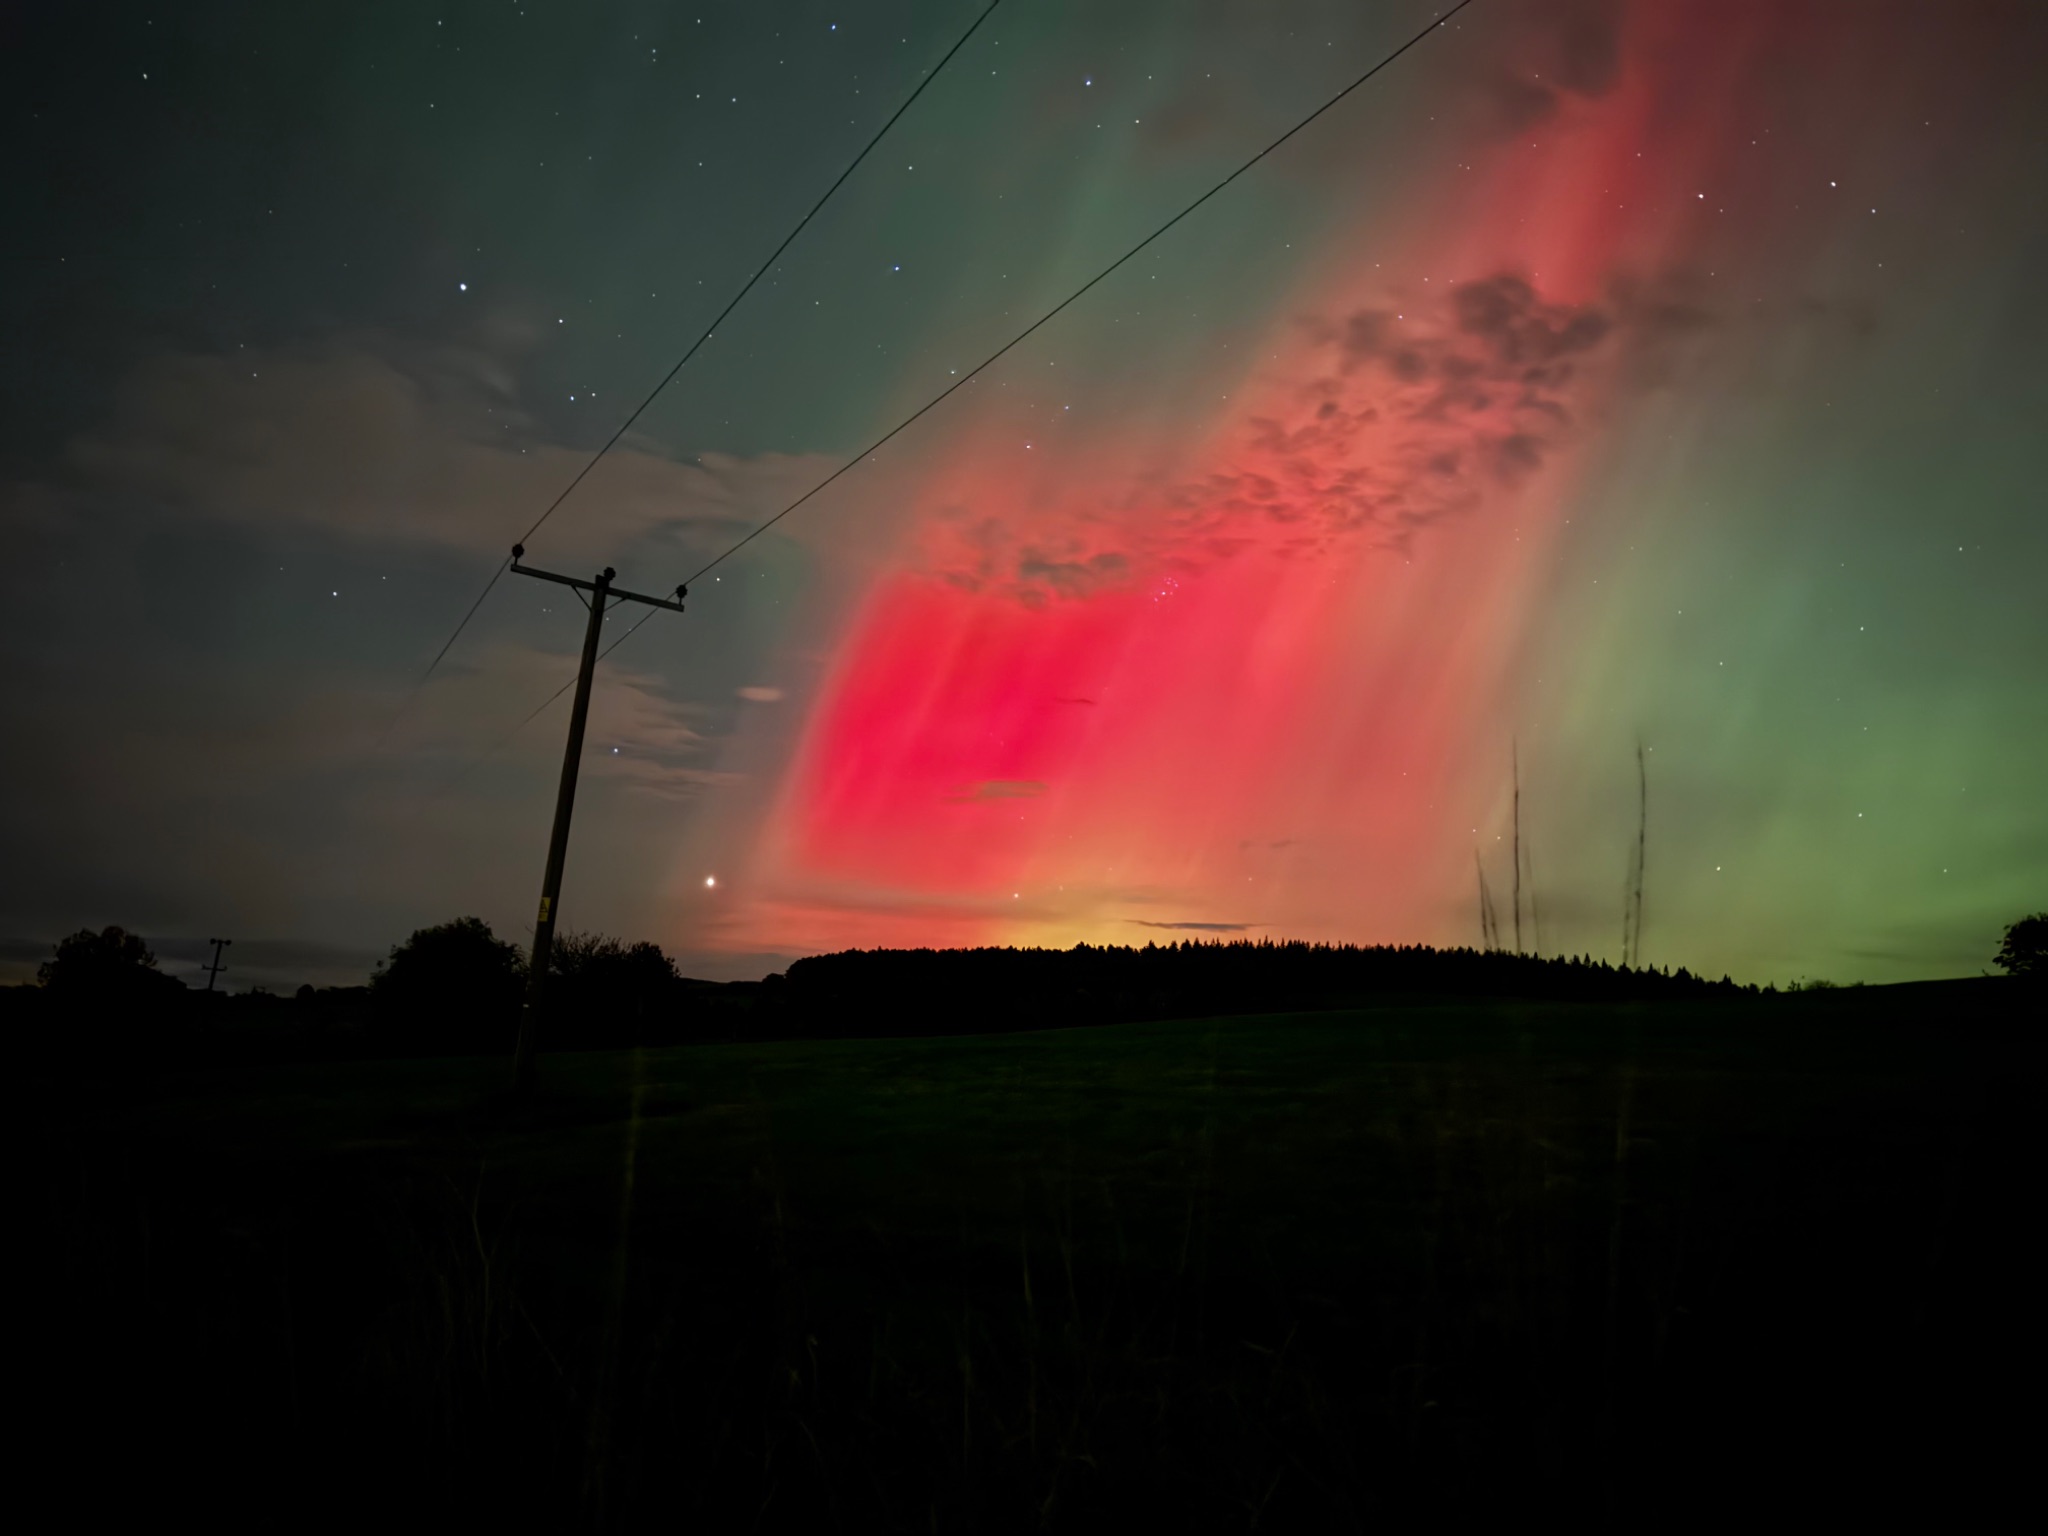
(214, 970)
(602, 596)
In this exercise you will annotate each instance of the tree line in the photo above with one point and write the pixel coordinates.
(456, 988)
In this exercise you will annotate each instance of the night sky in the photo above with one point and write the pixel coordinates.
(1599, 373)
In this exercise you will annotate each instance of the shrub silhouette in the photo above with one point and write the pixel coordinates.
(111, 965)
(603, 991)
(454, 986)
(105, 1001)
(2025, 950)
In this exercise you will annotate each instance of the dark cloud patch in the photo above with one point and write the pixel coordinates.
(1421, 410)
(1663, 321)
(1516, 455)
(1586, 44)
(983, 554)
(379, 441)
(1405, 415)
(1517, 329)
(1002, 789)
(1039, 573)
(1196, 927)
(1520, 103)
(1545, 55)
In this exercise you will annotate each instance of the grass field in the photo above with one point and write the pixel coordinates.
(1314, 1271)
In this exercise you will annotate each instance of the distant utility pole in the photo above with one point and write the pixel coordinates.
(602, 596)
(1642, 844)
(1489, 920)
(1515, 768)
(214, 970)
(1632, 891)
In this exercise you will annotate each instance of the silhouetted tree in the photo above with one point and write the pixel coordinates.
(111, 965)
(110, 1005)
(453, 986)
(602, 990)
(2025, 950)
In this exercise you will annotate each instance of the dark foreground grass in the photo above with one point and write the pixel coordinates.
(1303, 1272)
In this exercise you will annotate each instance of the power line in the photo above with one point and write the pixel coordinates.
(997, 355)
(985, 364)
(709, 330)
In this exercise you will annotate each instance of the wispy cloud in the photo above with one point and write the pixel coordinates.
(380, 441)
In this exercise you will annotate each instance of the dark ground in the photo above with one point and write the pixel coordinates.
(1609, 1262)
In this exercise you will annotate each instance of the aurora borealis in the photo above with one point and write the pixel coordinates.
(1600, 373)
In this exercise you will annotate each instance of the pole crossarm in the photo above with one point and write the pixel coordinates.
(673, 604)
(213, 971)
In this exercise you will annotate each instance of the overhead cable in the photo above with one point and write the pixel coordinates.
(709, 330)
(986, 362)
